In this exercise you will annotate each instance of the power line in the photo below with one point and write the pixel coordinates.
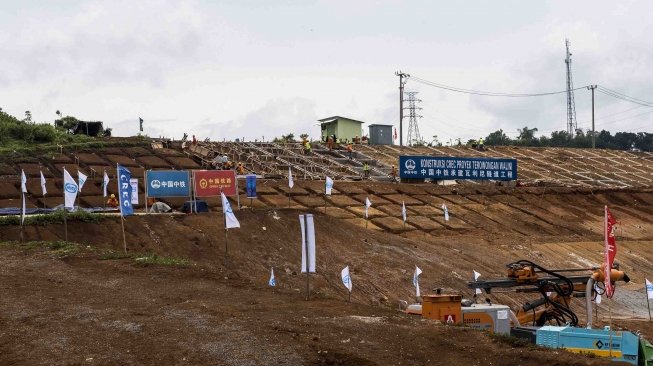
(487, 93)
(624, 97)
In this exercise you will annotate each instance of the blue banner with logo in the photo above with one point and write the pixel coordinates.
(250, 186)
(167, 183)
(125, 191)
(442, 168)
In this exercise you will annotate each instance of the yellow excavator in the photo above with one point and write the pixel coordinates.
(557, 288)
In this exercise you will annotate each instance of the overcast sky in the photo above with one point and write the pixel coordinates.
(265, 68)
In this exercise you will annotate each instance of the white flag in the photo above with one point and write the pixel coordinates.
(308, 243)
(346, 279)
(230, 219)
(328, 185)
(105, 183)
(649, 289)
(23, 182)
(597, 300)
(446, 212)
(291, 183)
(476, 276)
(368, 204)
(82, 179)
(23, 189)
(416, 280)
(403, 210)
(272, 282)
(43, 189)
(69, 189)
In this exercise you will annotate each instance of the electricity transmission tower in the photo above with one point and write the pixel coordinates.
(413, 130)
(571, 104)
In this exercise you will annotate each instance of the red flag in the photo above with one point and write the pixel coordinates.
(610, 250)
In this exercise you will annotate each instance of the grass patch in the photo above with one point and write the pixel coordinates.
(112, 255)
(55, 217)
(153, 259)
(59, 248)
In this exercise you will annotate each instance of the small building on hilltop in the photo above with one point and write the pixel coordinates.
(380, 134)
(344, 128)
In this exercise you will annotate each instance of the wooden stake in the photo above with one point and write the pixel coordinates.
(122, 224)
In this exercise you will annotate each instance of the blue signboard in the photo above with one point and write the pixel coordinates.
(167, 183)
(125, 191)
(442, 168)
(251, 185)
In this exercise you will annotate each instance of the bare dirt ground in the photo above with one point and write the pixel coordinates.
(87, 305)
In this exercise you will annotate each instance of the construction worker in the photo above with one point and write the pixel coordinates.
(350, 150)
(366, 170)
(393, 174)
(240, 169)
(480, 143)
(194, 140)
(112, 201)
(330, 142)
(307, 147)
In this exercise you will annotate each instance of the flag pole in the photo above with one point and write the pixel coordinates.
(22, 218)
(145, 184)
(350, 281)
(122, 218)
(289, 189)
(65, 221)
(307, 258)
(648, 302)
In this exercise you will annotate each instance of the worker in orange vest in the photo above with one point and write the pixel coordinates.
(350, 149)
(240, 168)
(113, 201)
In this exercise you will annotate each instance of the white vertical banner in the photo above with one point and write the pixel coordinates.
(291, 183)
(310, 240)
(418, 272)
(478, 291)
(105, 183)
(446, 212)
(230, 219)
(272, 282)
(82, 179)
(69, 189)
(597, 300)
(134, 183)
(346, 278)
(328, 185)
(403, 212)
(43, 189)
(368, 204)
(23, 190)
(649, 289)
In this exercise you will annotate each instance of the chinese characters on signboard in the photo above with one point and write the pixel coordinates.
(443, 168)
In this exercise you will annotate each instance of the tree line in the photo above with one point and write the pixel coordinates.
(642, 141)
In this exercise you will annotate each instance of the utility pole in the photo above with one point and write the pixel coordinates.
(592, 87)
(402, 81)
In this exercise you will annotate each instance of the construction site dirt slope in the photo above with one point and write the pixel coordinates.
(84, 309)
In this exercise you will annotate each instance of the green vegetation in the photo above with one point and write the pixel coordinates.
(153, 259)
(582, 139)
(53, 218)
(144, 259)
(59, 248)
(21, 140)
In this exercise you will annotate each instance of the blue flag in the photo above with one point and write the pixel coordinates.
(125, 191)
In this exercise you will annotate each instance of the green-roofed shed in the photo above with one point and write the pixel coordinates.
(344, 128)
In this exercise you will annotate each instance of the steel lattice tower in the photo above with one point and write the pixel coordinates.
(413, 130)
(571, 104)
